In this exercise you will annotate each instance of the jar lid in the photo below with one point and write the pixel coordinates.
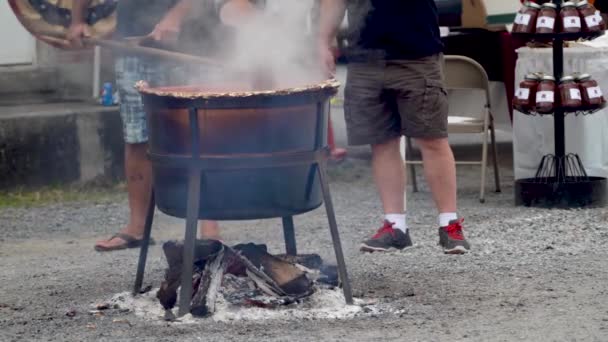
(568, 4)
(533, 5)
(582, 3)
(567, 79)
(550, 5)
(548, 78)
(583, 77)
(533, 77)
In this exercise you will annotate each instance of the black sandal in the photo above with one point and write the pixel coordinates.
(129, 242)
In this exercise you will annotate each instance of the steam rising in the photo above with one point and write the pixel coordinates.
(272, 48)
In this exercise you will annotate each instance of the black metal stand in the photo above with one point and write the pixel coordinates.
(557, 182)
(198, 164)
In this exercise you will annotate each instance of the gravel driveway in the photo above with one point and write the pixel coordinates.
(533, 275)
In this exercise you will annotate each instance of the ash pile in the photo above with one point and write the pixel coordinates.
(245, 275)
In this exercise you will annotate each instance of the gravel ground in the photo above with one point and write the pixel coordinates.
(533, 274)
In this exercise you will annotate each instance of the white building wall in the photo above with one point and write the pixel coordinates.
(495, 7)
(18, 46)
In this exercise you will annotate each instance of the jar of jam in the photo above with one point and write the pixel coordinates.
(545, 23)
(592, 18)
(570, 93)
(526, 93)
(571, 20)
(590, 91)
(545, 95)
(525, 20)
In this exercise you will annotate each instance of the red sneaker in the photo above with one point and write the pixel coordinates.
(387, 238)
(452, 239)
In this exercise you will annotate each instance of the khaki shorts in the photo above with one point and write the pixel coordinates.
(390, 98)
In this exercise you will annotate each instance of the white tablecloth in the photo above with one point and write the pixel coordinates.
(585, 135)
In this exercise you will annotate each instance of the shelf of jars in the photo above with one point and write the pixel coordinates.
(577, 94)
(567, 21)
(561, 179)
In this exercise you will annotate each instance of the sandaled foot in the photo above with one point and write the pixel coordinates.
(118, 242)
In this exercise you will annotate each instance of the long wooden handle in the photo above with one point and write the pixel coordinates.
(141, 50)
(152, 52)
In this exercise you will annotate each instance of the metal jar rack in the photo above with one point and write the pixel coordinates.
(561, 179)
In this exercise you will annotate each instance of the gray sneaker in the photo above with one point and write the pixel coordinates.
(387, 238)
(452, 239)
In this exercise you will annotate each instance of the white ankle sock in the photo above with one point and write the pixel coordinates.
(446, 218)
(398, 220)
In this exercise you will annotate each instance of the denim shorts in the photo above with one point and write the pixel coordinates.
(131, 69)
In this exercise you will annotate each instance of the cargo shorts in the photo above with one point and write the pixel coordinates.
(386, 99)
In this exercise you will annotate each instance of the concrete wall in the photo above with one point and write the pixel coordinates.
(52, 144)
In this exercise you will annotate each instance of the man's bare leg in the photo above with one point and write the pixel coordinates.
(440, 172)
(389, 175)
(138, 170)
(209, 230)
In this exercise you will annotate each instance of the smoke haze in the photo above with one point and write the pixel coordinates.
(272, 49)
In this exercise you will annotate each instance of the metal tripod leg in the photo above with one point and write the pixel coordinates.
(335, 235)
(194, 193)
(290, 236)
(143, 252)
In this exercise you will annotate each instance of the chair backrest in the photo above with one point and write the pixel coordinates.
(464, 73)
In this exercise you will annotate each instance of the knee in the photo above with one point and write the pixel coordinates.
(433, 145)
(389, 146)
(136, 148)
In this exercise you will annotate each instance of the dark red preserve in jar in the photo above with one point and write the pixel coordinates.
(590, 91)
(570, 93)
(545, 95)
(571, 21)
(592, 18)
(525, 20)
(547, 18)
(525, 95)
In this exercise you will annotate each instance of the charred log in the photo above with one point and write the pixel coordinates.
(269, 281)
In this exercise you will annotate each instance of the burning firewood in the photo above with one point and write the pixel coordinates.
(203, 302)
(245, 274)
(204, 250)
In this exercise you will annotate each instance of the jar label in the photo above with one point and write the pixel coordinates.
(598, 14)
(522, 19)
(546, 22)
(522, 93)
(594, 92)
(592, 20)
(575, 94)
(570, 22)
(545, 96)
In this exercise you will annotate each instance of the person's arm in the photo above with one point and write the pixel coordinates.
(238, 13)
(169, 27)
(330, 17)
(78, 28)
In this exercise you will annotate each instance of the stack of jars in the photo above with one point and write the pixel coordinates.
(540, 93)
(570, 17)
